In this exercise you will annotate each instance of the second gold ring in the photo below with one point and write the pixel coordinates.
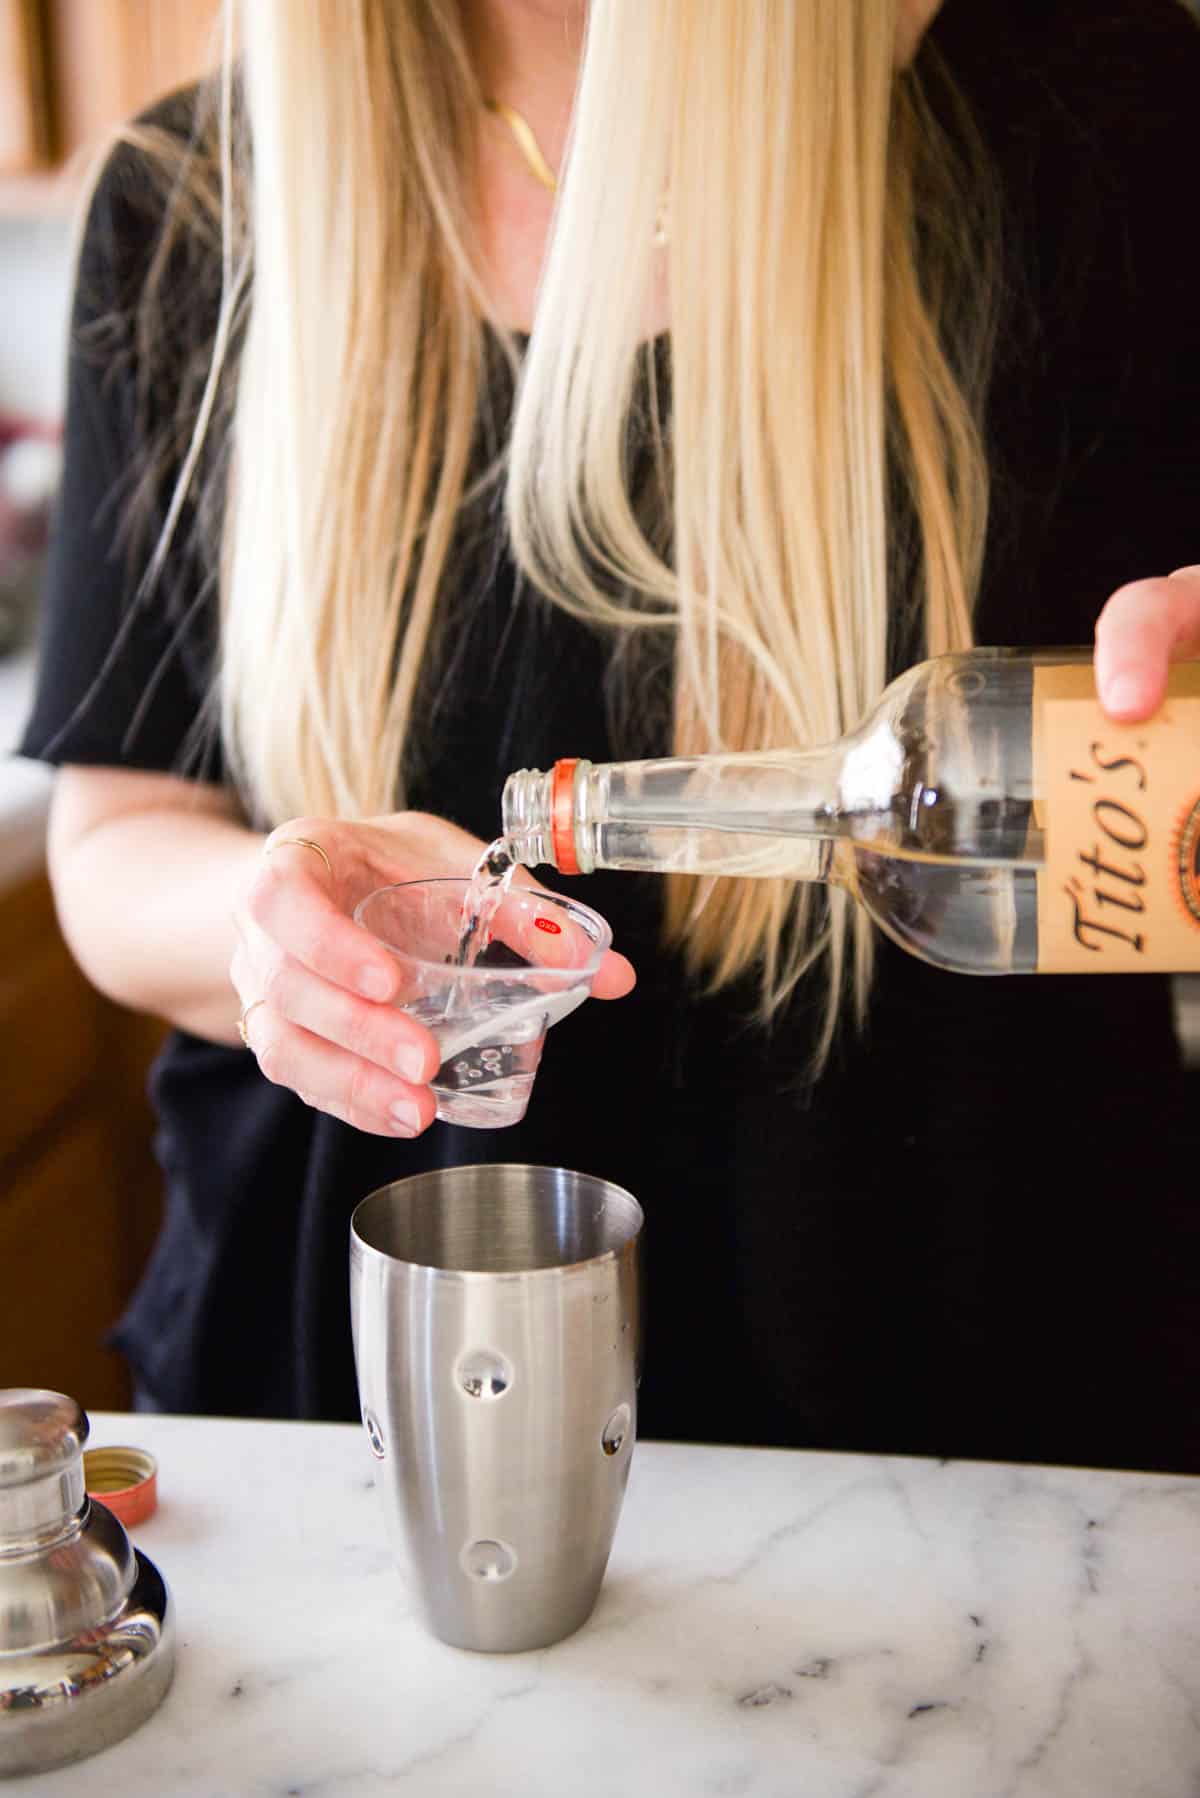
(245, 1019)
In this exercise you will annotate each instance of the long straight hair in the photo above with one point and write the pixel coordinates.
(801, 180)
(819, 459)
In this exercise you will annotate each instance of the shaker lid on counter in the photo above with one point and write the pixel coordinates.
(40, 1432)
(87, 1635)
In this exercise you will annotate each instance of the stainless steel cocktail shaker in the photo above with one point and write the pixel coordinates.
(496, 1330)
(87, 1639)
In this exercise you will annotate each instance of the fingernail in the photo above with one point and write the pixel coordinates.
(410, 1063)
(1122, 693)
(373, 983)
(406, 1119)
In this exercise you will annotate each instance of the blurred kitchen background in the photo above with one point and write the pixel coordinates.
(78, 1188)
(79, 1191)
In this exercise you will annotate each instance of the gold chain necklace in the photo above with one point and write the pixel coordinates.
(526, 142)
(531, 150)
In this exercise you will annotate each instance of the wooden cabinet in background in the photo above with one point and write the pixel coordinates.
(80, 1192)
(24, 116)
(110, 58)
(100, 61)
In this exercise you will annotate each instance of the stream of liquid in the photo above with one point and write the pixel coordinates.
(490, 1051)
(483, 898)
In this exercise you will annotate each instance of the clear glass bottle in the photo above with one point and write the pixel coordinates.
(987, 814)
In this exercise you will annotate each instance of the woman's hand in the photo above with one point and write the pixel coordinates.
(320, 986)
(1143, 628)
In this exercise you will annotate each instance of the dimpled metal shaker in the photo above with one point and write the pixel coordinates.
(87, 1636)
(496, 1334)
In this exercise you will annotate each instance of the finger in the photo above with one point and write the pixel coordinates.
(308, 845)
(549, 937)
(615, 977)
(551, 940)
(331, 1079)
(383, 1034)
(545, 935)
(290, 900)
(1145, 626)
(546, 928)
(241, 974)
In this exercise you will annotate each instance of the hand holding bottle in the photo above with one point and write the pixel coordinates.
(316, 988)
(1145, 626)
(986, 813)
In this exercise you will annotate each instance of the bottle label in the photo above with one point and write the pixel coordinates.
(1119, 888)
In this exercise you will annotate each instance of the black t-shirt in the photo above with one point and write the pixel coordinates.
(977, 1235)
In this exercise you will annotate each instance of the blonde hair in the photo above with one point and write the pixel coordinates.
(358, 393)
(805, 346)
(818, 456)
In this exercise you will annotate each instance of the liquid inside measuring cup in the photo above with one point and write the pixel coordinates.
(493, 1002)
(491, 1052)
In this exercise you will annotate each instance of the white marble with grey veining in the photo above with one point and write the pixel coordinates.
(773, 1625)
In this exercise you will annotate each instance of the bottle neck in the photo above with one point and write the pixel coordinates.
(527, 813)
(761, 814)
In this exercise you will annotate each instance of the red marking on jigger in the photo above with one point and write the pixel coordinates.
(549, 926)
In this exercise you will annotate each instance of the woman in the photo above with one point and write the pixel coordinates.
(863, 331)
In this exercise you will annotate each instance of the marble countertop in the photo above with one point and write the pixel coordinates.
(773, 1625)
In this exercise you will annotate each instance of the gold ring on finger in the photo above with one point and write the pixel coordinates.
(302, 843)
(245, 1019)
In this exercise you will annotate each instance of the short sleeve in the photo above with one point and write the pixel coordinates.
(121, 674)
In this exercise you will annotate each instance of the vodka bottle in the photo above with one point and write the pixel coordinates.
(987, 814)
